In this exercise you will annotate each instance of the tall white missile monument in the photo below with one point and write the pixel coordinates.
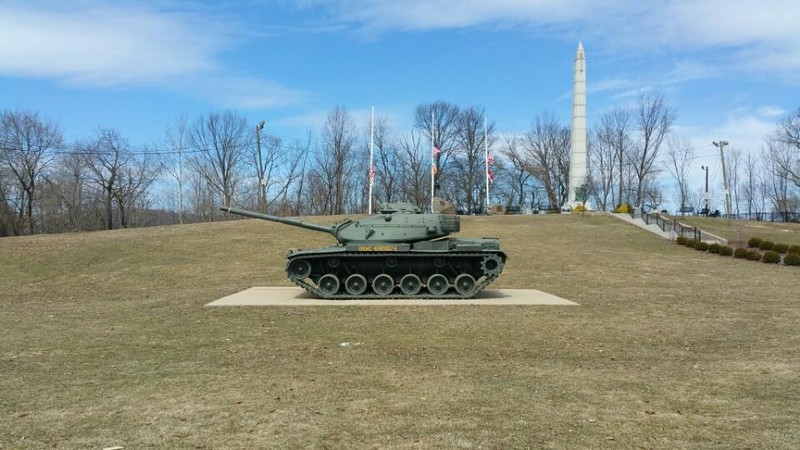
(578, 159)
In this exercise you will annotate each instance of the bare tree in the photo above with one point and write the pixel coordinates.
(415, 175)
(734, 166)
(547, 147)
(299, 172)
(777, 156)
(387, 162)
(603, 158)
(520, 178)
(221, 141)
(749, 185)
(788, 133)
(680, 155)
(177, 140)
(267, 159)
(440, 118)
(132, 186)
(470, 159)
(613, 137)
(68, 185)
(285, 170)
(8, 223)
(339, 139)
(653, 118)
(106, 155)
(27, 143)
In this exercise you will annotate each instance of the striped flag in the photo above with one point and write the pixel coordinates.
(490, 159)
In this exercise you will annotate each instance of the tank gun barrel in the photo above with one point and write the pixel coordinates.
(286, 220)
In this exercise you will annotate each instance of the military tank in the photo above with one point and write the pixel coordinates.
(399, 252)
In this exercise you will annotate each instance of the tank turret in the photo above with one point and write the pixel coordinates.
(395, 222)
(399, 252)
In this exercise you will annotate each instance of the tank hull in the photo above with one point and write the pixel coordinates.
(449, 268)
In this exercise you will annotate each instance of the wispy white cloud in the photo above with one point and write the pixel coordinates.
(105, 44)
(233, 91)
(744, 131)
(770, 111)
(609, 84)
(128, 44)
(749, 35)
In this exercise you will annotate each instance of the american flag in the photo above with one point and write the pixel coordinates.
(372, 173)
(490, 175)
(436, 151)
(490, 159)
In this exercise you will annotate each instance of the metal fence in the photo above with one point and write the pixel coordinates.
(668, 224)
(773, 216)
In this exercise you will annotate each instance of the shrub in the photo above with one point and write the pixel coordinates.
(691, 243)
(766, 245)
(794, 249)
(754, 242)
(724, 250)
(681, 240)
(781, 248)
(623, 208)
(579, 209)
(792, 259)
(753, 255)
(701, 246)
(771, 257)
(740, 253)
(714, 248)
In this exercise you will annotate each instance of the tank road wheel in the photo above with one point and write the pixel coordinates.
(492, 265)
(355, 284)
(299, 269)
(465, 284)
(383, 284)
(410, 284)
(329, 284)
(437, 284)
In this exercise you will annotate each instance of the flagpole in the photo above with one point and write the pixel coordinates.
(486, 159)
(371, 170)
(433, 157)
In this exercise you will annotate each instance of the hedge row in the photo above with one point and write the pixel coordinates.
(766, 245)
(772, 252)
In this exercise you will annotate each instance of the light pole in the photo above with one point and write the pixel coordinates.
(705, 196)
(262, 195)
(721, 145)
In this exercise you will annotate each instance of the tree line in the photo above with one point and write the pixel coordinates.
(49, 185)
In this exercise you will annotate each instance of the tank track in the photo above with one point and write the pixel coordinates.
(488, 276)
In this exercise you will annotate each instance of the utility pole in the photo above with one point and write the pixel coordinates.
(721, 145)
(706, 196)
(262, 195)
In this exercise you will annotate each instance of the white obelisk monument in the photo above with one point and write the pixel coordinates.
(578, 159)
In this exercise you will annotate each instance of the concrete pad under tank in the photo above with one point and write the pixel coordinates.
(295, 296)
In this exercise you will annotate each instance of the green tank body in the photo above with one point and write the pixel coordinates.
(399, 252)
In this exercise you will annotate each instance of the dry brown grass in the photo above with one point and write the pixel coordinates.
(739, 231)
(104, 341)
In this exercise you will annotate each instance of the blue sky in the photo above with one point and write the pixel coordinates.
(729, 67)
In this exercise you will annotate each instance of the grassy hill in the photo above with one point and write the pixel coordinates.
(104, 341)
(742, 230)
